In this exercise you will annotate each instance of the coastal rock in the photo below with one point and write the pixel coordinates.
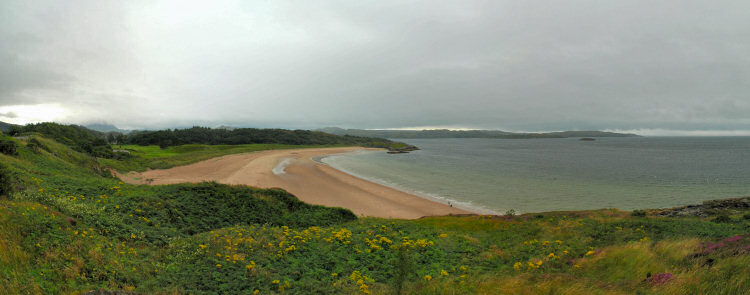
(402, 150)
(708, 208)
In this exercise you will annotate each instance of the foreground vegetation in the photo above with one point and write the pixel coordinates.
(67, 227)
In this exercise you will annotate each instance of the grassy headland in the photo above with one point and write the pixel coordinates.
(66, 227)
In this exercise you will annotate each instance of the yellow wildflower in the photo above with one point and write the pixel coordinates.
(427, 277)
(590, 253)
(517, 265)
(443, 272)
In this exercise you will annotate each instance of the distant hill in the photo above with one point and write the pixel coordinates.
(230, 128)
(106, 128)
(5, 127)
(444, 133)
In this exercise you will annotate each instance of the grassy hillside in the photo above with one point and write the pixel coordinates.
(78, 138)
(65, 228)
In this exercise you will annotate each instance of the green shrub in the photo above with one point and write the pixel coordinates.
(638, 213)
(8, 147)
(722, 219)
(36, 146)
(746, 216)
(6, 180)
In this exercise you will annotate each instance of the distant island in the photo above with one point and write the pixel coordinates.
(445, 133)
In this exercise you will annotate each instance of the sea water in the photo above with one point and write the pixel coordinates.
(534, 175)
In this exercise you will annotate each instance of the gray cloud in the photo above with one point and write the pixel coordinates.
(514, 65)
(9, 115)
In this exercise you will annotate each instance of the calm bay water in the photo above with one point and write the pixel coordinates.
(533, 175)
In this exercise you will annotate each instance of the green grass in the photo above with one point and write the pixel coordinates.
(68, 229)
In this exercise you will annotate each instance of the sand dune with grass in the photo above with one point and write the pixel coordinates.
(311, 181)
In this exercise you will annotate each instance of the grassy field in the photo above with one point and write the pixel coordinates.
(67, 229)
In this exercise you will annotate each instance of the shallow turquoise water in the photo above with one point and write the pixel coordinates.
(531, 175)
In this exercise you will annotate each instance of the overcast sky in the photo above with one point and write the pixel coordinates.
(653, 66)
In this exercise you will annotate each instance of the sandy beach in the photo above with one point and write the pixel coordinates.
(312, 182)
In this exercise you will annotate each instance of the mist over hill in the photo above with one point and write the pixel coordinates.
(105, 127)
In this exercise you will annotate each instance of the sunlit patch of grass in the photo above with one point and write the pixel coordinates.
(676, 252)
(623, 264)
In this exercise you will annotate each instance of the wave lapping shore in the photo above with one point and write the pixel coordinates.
(312, 182)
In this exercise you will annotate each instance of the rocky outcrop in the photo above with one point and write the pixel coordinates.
(708, 208)
(402, 150)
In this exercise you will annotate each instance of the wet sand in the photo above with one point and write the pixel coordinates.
(310, 181)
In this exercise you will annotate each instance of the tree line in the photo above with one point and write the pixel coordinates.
(204, 135)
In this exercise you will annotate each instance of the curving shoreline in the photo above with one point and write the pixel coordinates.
(311, 181)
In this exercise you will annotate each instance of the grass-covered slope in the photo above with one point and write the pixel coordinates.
(78, 138)
(66, 229)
